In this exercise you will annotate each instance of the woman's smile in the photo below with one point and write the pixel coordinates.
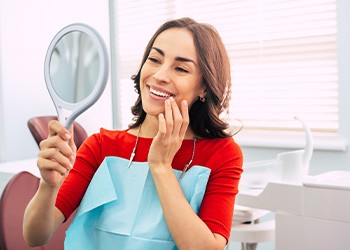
(159, 93)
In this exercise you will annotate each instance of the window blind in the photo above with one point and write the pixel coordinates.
(136, 21)
(283, 56)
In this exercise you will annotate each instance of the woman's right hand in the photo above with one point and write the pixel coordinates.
(57, 154)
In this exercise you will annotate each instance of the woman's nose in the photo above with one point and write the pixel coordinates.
(162, 74)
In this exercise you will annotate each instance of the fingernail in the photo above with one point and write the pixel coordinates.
(184, 102)
(67, 136)
(171, 98)
(167, 102)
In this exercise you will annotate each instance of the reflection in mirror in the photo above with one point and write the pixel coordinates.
(74, 67)
(76, 70)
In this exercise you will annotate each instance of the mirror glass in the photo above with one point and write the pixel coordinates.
(74, 62)
(76, 70)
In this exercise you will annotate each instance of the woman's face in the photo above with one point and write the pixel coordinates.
(171, 69)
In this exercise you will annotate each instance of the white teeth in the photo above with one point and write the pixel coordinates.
(159, 93)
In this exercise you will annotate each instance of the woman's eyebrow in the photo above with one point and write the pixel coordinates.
(179, 58)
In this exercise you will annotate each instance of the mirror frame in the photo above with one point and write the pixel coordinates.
(67, 112)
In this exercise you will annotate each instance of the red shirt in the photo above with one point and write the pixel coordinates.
(222, 156)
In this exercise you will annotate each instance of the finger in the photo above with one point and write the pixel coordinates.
(57, 156)
(45, 165)
(56, 142)
(71, 141)
(162, 125)
(56, 128)
(185, 118)
(177, 117)
(168, 117)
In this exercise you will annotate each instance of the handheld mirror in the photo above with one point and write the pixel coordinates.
(76, 70)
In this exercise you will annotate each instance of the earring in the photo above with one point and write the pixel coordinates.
(202, 98)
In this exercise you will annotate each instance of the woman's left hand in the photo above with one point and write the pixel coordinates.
(172, 129)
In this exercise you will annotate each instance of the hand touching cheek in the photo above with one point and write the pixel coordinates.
(173, 125)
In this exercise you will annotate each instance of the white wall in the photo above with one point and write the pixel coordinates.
(27, 28)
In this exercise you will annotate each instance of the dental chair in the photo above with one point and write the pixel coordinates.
(14, 199)
(38, 126)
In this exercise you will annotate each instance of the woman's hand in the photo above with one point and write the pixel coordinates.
(57, 154)
(172, 129)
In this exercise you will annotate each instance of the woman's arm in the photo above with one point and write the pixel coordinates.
(41, 218)
(55, 160)
(186, 228)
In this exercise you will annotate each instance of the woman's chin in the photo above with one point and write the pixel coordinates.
(154, 112)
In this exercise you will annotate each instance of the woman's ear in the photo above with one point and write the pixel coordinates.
(203, 93)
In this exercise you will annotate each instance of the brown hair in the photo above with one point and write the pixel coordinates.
(215, 68)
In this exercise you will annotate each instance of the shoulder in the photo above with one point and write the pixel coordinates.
(109, 143)
(112, 133)
(102, 141)
(219, 154)
(221, 146)
(107, 134)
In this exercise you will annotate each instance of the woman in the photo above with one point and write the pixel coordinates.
(167, 182)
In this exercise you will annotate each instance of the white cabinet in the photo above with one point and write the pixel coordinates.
(313, 215)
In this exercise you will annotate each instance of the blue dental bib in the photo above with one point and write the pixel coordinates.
(121, 209)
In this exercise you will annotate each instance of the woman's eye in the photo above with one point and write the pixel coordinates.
(181, 70)
(152, 59)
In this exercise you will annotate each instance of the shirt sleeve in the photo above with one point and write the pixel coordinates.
(218, 203)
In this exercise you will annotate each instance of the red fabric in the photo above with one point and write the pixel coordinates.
(222, 156)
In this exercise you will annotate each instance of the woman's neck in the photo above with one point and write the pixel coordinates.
(150, 126)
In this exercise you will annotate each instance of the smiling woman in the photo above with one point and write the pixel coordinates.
(199, 45)
(183, 189)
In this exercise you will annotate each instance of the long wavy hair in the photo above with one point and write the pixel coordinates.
(216, 76)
